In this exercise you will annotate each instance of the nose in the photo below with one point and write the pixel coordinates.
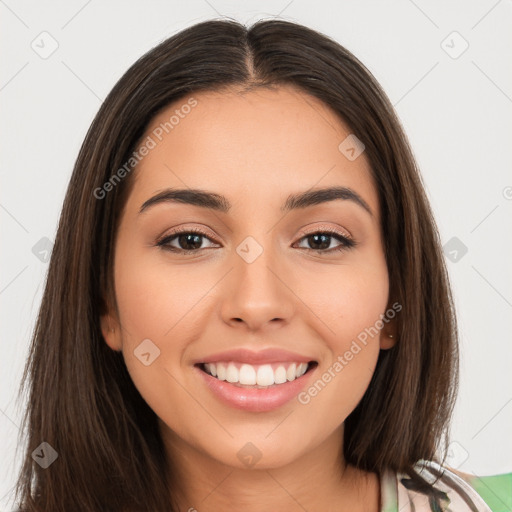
(256, 294)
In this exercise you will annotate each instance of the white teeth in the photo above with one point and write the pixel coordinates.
(247, 375)
(256, 375)
(265, 375)
(232, 373)
(280, 375)
(290, 373)
(301, 369)
(221, 371)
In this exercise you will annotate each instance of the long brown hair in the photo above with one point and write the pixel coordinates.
(82, 401)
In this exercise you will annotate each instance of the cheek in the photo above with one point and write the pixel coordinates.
(351, 308)
(156, 300)
(156, 306)
(347, 300)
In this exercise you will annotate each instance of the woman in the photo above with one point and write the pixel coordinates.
(247, 304)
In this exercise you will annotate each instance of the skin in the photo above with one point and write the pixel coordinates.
(255, 149)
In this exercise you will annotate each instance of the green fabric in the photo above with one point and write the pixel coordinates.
(495, 490)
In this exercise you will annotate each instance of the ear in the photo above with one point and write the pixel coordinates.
(388, 335)
(111, 331)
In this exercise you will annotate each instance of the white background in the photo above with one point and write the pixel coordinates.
(456, 112)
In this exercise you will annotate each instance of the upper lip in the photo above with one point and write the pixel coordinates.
(269, 355)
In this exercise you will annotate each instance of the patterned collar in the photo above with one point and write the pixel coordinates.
(399, 493)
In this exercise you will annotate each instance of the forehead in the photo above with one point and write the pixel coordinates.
(264, 143)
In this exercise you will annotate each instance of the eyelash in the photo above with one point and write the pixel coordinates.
(346, 243)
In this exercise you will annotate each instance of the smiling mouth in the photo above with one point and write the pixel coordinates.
(256, 376)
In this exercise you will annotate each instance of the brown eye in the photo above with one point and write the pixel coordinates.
(320, 241)
(187, 240)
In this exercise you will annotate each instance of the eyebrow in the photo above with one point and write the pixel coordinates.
(217, 202)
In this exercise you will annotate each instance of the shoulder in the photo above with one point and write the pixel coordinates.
(448, 489)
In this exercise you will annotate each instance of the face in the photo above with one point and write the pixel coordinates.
(248, 284)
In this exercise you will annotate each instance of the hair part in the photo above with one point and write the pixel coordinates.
(82, 400)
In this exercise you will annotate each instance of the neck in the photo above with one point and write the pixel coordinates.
(317, 480)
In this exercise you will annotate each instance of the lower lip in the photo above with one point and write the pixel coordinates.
(254, 399)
